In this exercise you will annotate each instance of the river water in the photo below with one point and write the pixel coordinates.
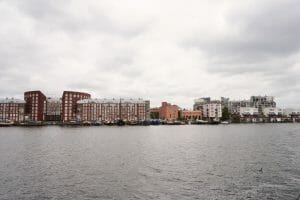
(154, 162)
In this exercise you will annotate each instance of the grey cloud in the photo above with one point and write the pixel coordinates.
(91, 46)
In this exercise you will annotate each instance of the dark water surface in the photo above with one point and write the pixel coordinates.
(155, 162)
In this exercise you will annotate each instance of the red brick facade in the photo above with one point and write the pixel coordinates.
(111, 110)
(69, 104)
(12, 110)
(35, 105)
(168, 111)
(191, 115)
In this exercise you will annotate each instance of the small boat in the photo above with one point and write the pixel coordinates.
(146, 123)
(97, 123)
(86, 123)
(132, 123)
(155, 122)
(199, 122)
(225, 122)
(6, 124)
(108, 123)
(120, 122)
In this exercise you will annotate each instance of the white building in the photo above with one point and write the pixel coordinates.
(291, 112)
(212, 110)
(248, 111)
(272, 111)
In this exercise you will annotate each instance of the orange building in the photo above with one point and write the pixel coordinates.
(191, 115)
(167, 111)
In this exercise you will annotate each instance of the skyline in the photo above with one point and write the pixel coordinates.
(172, 50)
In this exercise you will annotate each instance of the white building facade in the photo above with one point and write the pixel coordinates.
(272, 112)
(212, 110)
(248, 111)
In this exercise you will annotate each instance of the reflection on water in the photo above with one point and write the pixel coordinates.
(155, 162)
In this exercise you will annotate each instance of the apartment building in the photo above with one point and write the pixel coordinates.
(212, 110)
(12, 110)
(198, 103)
(262, 102)
(112, 110)
(69, 104)
(35, 106)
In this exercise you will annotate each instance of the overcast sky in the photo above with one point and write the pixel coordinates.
(162, 50)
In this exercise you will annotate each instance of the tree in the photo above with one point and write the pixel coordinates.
(154, 115)
(225, 114)
(179, 115)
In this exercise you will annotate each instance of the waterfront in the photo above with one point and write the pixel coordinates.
(151, 162)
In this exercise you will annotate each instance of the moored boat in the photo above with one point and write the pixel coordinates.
(6, 124)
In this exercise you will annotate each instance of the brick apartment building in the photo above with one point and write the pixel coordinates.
(35, 106)
(69, 104)
(12, 110)
(111, 110)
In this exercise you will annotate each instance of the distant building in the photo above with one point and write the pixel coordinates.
(224, 102)
(212, 110)
(69, 104)
(111, 110)
(191, 115)
(53, 109)
(291, 112)
(166, 111)
(262, 102)
(234, 106)
(134, 109)
(12, 110)
(198, 103)
(248, 111)
(35, 106)
(268, 112)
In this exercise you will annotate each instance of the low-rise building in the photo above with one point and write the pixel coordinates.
(248, 111)
(288, 112)
(168, 111)
(191, 114)
(12, 110)
(268, 112)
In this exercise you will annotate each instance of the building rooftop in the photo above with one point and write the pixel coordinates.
(11, 100)
(53, 99)
(111, 101)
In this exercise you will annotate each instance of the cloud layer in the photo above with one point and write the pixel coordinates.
(159, 50)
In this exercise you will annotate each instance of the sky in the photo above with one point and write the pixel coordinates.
(161, 50)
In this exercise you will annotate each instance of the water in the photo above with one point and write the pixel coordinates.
(155, 162)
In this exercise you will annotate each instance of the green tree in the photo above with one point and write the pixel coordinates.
(154, 115)
(179, 115)
(225, 114)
